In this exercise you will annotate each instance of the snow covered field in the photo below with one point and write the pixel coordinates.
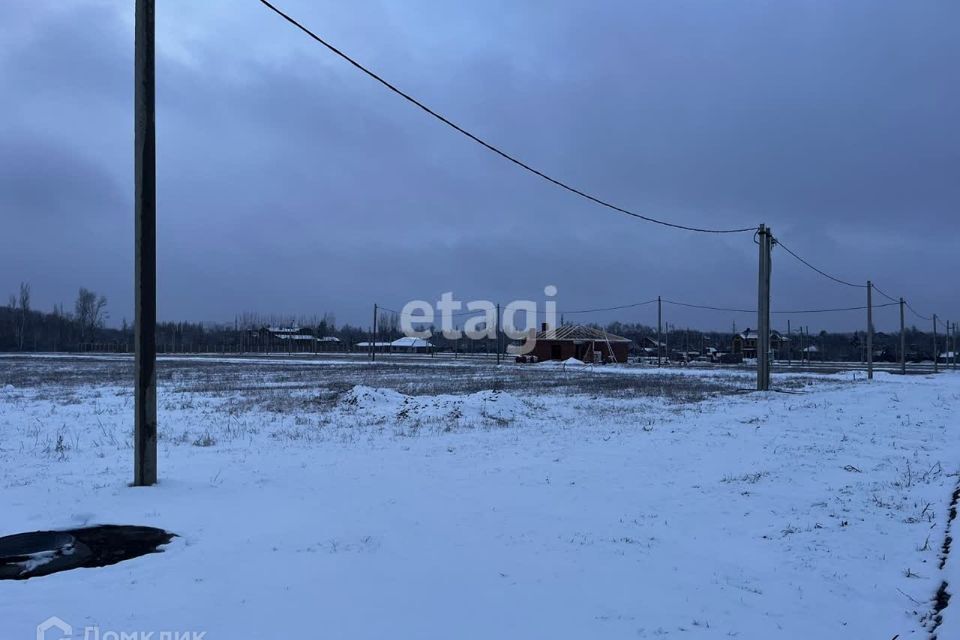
(344, 500)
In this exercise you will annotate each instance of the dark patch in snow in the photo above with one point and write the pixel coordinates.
(940, 602)
(40, 553)
(942, 597)
(948, 539)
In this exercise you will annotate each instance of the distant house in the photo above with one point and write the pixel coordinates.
(650, 347)
(283, 339)
(379, 346)
(329, 343)
(400, 345)
(411, 345)
(588, 344)
(745, 342)
(809, 351)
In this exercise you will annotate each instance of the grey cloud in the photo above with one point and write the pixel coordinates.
(288, 181)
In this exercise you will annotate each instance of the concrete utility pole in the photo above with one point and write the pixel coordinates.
(949, 346)
(145, 231)
(935, 365)
(953, 345)
(659, 328)
(666, 342)
(903, 342)
(869, 330)
(763, 311)
(373, 336)
(498, 333)
(789, 345)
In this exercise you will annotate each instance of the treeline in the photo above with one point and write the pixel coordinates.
(23, 328)
(83, 329)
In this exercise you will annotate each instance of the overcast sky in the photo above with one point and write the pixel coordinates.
(289, 182)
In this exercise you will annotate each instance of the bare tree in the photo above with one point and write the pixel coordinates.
(90, 312)
(24, 313)
(12, 303)
(388, 324)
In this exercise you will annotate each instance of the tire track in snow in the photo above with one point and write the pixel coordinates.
(942, 598)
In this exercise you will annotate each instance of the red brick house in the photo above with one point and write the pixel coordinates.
(581, 342)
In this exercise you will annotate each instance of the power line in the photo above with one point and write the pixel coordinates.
(701, 306)
(784, 312)
(453, 314)
(849, 284)
(486, 144)
(383, 308)
(890, 298)
(800, 311)
(823, 273)
(693, 306)
(475, 312)
(622, 306)
(914, 311)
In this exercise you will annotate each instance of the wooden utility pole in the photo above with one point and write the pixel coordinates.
(373, 336)
(145, 231)
(869, 330)
(763, 311)
(903, 342)
(659, 328)
(935, 365)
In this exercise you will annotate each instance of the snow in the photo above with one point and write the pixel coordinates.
(411, 343)
(380, 406)
(372, 511)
